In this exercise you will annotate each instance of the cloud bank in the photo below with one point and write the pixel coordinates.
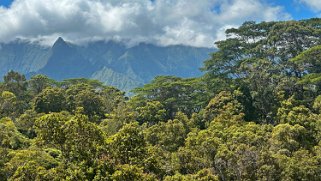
(164, 22)
(312, 4)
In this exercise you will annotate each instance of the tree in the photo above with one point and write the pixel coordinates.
(3, 160)
(223, 104)
(168, 135)
(263, 81)
(9, 105)
(91, 103)
(203, 175)
(38, 83)
(120, 116)
(50, 100)
(111, 98)
(30, 171)
(301, 166)
(288, 139)
(84, 139)
(176, 94)
(66, 133)
(293, 113)
(220, 103)
(152, 113)
(78, 81)
(15, 83)
(130, 173)
(10, 136)
(128, 145)
(258, 56)
(25, 123)
(84, 96)
(308, 69)
(198, 153)
(29, 164)
(50, 131)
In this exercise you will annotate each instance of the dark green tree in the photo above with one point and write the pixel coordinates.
(50, 100)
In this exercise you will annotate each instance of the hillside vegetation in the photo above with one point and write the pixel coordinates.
(254, 115)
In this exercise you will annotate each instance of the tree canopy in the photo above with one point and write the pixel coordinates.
(255, 114)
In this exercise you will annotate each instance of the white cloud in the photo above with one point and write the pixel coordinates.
(165, 22)
(313, 4)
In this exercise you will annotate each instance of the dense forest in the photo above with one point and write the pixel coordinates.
(254, 115)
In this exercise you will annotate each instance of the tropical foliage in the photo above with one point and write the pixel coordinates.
(254, 115)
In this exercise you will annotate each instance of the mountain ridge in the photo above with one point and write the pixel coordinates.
(111, 62)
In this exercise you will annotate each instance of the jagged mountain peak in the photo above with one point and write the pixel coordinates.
(60, 42)
(60, 39)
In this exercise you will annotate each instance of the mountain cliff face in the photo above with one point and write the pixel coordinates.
(22, 56)
(66, 62)
(110, 62)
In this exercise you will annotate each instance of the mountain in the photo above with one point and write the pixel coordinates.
(111, 62)
(22, 56)
(65, 62)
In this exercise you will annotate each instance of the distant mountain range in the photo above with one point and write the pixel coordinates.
(110, 62)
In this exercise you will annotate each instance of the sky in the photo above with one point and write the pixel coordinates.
(163, 22)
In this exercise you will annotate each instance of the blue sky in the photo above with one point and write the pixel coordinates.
(189, 22)
(297, 9)
(5, 3)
